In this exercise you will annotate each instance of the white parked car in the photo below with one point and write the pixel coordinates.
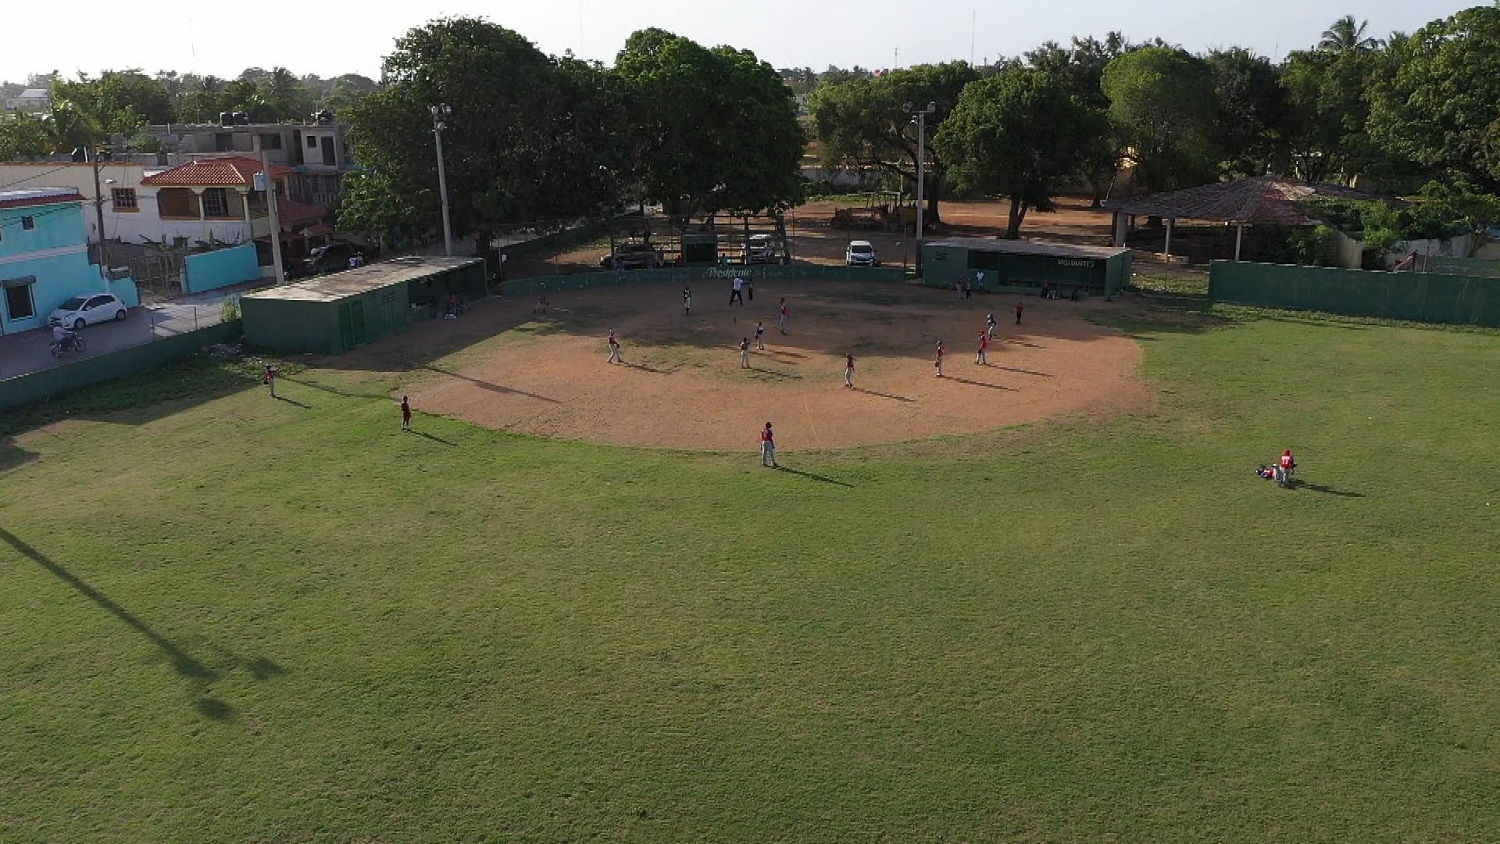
(861, 254)
(761, 250)
(88, 309)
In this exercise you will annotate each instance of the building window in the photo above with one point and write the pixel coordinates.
(28, 223)
(18, 301)
(124, 199)
(223, 142)
(215, 203)
(312, 143)
(270, 142)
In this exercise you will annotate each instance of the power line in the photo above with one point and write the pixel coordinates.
(37, 176)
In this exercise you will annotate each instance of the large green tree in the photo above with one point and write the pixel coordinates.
(1079, 68)
(1250, 112)
(118, 101)
(1161, 100)
(529, 139)
(1440, 108)
(1021, 135)
(712, 128)
(24, 136)
(867, 122)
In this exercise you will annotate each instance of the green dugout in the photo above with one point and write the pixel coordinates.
(1024, 265)
(337, 312)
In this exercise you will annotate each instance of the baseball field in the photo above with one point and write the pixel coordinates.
(1045, 599)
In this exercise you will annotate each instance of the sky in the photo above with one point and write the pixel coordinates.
(330, 37)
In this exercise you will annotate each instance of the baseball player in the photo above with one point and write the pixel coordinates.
(735, 289)
(760, 335)
(687, 301)
(744, 352)
(937, 358)
(1018, 309)
(783, 325)
(991, 324)
(405, 414)
(614, 348)
(984, 344)
(767, 447)
(849, 371)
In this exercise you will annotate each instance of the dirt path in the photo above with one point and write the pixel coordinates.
(682, 385)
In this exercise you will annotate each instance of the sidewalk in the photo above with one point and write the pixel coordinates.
(30, 351)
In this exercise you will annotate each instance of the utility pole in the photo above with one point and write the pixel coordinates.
(440, 113)
(94, 154)
(922, 174)
(270, 187)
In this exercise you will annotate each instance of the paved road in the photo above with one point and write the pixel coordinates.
(30, 351)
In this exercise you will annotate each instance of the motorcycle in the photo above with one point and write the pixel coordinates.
(71, 343)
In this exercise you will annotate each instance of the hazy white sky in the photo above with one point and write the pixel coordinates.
(329, 37)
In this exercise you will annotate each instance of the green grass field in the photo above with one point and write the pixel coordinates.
(230, 618)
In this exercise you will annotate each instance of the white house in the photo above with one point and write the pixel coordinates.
(204, 201)
(31, 99)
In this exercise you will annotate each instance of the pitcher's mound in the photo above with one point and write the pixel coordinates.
(682, 385)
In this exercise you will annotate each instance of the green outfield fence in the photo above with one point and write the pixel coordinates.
(700, 276)
(46, 383)
(1481, 267)
(1421, 297)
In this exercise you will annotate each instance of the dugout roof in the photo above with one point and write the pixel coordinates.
(360, 280)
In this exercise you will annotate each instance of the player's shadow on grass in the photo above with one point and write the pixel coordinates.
(182, 662)
(973, 383)
(426, 435)
(1326, 490)
(809, 475)
(882, 395)
(494, 388)
(293, 402)
(334, 390)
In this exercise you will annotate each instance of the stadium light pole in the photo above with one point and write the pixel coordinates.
(440, 113)
(921, 121)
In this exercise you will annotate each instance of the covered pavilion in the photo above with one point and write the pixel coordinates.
(1262, 199)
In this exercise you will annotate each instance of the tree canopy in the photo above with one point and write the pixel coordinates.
(1162, 102)
(1018, 134)
(712, 128)
(1441, 106)
(867, 122)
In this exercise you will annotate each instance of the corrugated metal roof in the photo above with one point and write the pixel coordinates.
(1028, 247)
(38, 196)
(1264, 199)
(341, 285)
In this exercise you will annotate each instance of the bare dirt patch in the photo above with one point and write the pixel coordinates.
(682, 385)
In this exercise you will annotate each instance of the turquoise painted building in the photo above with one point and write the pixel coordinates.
(44, 255)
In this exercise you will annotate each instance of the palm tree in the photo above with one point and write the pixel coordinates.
(1347, 35)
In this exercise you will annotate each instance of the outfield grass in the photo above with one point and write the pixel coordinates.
(236, 618)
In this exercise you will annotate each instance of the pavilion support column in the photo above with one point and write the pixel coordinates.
(1167, 249)
(1119, 229)
(1239, 237)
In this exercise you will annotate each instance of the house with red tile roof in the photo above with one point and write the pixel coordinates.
(200, 202)
(214, 200)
